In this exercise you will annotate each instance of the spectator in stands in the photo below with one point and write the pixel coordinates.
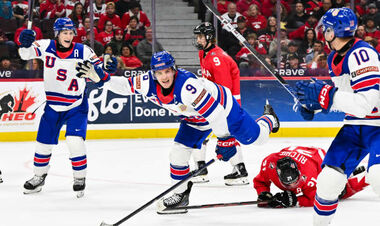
(77, 15)
(243, 5)
(267, 35)
(317, 49)
(313, 6)
(36, 65)
(117, 41)
(123, 6)
(110, 15)
(319, 62)
(51, 9)
(81, 32)
(371, 28)
(360, 32)
(8, 46)
(24, 26)
(326, 5)
(69, 5)
(144, 48)
(133, 33)
(268, 7)
(244, 58)
(6, 64)
(293, 61)
(98, 46)
(6, 11)
(292, 51)
(135, 10)
(284, 42)
(222, 6)
(106, 36)
(231, 15)
(373, 42)
(307, 42)
(360, 9)
(108, 49)
(99, 9)
(20, 9)
(129, 59)
(372, 12)
(339, 4)
(297, 18)
(300, 32)
(255, 20)
(242, 27)
(228, 42)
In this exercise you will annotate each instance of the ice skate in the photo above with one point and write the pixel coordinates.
(239, 176)
(79, 186)
(202, 176)
(35, 184)
(1, 179)
(268, 110)
(168, 205)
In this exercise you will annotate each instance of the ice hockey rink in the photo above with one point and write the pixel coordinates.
(125, 174)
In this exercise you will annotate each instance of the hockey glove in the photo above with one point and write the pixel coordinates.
(110, 64)
(226, 148)
(315, 95)
(91, 71)
(264, 196)
(283, 200)
(306, 114)
(26, 38)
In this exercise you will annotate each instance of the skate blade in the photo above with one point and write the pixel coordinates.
(237, 182)
(166, 212)
(1, 180)
(200, 179)
(37, 189)
(80, 194)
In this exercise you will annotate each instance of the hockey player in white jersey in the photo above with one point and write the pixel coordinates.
(354, 69)
(204, 107)
(66, 99)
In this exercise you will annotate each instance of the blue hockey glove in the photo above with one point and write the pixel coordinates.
(306, 114)
(110, 64)
(315, 94)
(283, 200)
(91, 71)
(226, 148)
(27, 38)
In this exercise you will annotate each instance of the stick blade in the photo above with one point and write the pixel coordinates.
(105, 224)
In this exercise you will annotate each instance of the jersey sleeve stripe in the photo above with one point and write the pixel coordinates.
(38, 52)
(366, 83)
(376, 87)
(131, 84)
(364, 78)
(211, 109)
(209, 102)
(221, 95)
(60, 99)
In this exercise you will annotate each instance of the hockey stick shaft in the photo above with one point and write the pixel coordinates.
(266, 65)
(30, 13)
(161, 195)
(214, 205)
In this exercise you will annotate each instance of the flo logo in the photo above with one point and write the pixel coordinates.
(14, 108)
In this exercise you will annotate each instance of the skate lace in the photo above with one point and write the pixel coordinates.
(172, 200)
(36, 180)
(79, 181)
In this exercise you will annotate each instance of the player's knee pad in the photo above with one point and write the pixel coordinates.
(180, 155)
(76, 146)
(330, 183)
(43, 149)
(373, 178)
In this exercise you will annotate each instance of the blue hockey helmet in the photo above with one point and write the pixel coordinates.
(62, 24)
(342, 21)
(162, 60)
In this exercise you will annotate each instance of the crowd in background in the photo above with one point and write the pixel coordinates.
(123, 29)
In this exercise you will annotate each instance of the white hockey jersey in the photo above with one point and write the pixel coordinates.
(197, 100)
(357, 77)
(64, 90)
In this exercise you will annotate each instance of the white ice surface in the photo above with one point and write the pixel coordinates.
(125, 174)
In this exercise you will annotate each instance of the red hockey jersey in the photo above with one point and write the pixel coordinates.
(217, 66)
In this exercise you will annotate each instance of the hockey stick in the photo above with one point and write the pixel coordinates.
(213, 205)
(161, 195)
(267, 66)
(30, 13)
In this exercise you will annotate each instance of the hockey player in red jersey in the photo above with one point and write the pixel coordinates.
(218, 67)
(295, 170)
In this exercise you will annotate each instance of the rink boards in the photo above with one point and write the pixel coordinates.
(113, 116)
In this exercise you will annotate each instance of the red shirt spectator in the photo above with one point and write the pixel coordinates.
(269, 6)
(133, 33)
(34, 28)
(81, 32)
(313, 6)
(222, 6)
(135, 11)
(300, 32)
(20, 8)
(109, 16)
(106, 36)
(254, 19)
(99, 9)
(52, 9)
(243, 5)
(130, 61)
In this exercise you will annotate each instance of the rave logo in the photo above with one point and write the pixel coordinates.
(14, 108)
